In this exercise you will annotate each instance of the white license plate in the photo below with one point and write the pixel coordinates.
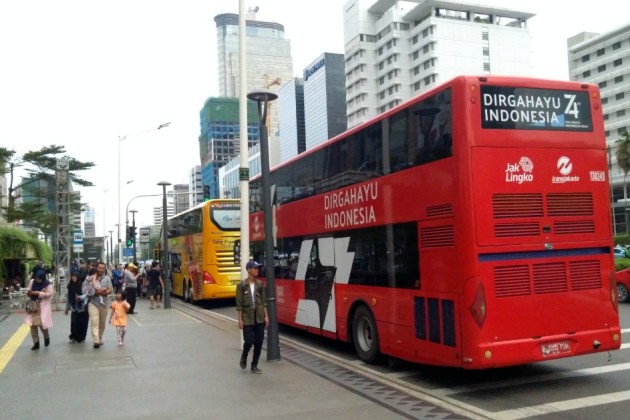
(553, 349)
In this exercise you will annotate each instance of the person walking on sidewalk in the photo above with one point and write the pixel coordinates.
(251, 306)
(155, 281)
(97, 287)
(40, 290)
(76, 305)
(117, 278)
(118, 317)
(130, 280)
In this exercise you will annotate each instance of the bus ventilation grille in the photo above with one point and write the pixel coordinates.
(437, 236)
(523, 280)
(435, 320)
(570, 204)
(506, 230)
(442, 210)
(519, 206)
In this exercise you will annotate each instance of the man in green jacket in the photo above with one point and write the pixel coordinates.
(251, 305)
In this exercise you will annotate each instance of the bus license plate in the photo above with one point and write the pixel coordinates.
(554, 349)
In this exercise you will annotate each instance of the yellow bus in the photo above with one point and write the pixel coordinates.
(201, 247)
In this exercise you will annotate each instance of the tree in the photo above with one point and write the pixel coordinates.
(40, 165)
(623, 159)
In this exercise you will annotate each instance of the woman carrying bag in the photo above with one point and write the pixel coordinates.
(38, 307)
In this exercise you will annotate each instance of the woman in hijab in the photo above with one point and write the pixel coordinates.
(40, 290)
(76, 305)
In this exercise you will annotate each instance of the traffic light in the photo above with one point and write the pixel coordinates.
(131, 235)
(206, 192)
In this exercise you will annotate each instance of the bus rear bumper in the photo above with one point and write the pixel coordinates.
(517, 352)
(220, 292)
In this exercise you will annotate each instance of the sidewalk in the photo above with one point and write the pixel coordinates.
(172, 366)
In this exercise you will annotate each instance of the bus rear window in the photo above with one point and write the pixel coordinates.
(226, 216)
(513, 108)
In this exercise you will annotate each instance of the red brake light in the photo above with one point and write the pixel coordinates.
(207, 278)
(478, 307)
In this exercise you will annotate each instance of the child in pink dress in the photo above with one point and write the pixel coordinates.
(118, 317)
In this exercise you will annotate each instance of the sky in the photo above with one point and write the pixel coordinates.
(86, 73)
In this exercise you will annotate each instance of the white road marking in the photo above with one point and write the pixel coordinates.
(555, 407)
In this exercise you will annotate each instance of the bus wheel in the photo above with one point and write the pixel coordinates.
(622, 291)
(365, 336)
(184, 291)
(189, 292)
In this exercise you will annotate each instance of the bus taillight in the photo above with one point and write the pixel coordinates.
(207, 278)
(478, 307)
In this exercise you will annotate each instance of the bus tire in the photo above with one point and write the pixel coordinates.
(622, 291)
(185, 297)
(189, 292)
(365, 336)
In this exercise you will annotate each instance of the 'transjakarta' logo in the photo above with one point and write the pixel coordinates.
(565, 167)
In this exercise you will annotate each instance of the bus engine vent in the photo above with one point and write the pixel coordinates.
(550, 278)
(570, 204)
(506, 230)
(442, 210)
(585, 275)
(512, 280)
(437, 236)
(517, 205)
(576, 226)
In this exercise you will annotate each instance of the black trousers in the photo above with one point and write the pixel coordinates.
(253, 336)
(78, 325)
(131, 298)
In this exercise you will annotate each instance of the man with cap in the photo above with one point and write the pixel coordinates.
(251, 306)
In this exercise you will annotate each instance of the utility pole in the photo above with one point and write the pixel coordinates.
(63, 236)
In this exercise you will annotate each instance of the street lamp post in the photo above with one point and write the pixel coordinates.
(133, 228)
(273, 340)
(111, 247)
(166, 263)
(117, 261)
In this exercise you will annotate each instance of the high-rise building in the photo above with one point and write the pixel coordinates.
(291, 119)
(195, 192)
(395, 50)
(229, 180)
(180, 199)
(158, 211)
(324, 99)
(604, 59)
(269, 61)
(89, 222)
(219, 140)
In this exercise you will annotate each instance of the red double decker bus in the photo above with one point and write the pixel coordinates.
(469, 227)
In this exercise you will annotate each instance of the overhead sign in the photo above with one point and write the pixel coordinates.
(144, 235)
(77, 240)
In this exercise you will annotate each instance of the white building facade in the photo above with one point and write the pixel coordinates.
(291, 119)
(604, 59)
(395, 50)
(195, 186)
